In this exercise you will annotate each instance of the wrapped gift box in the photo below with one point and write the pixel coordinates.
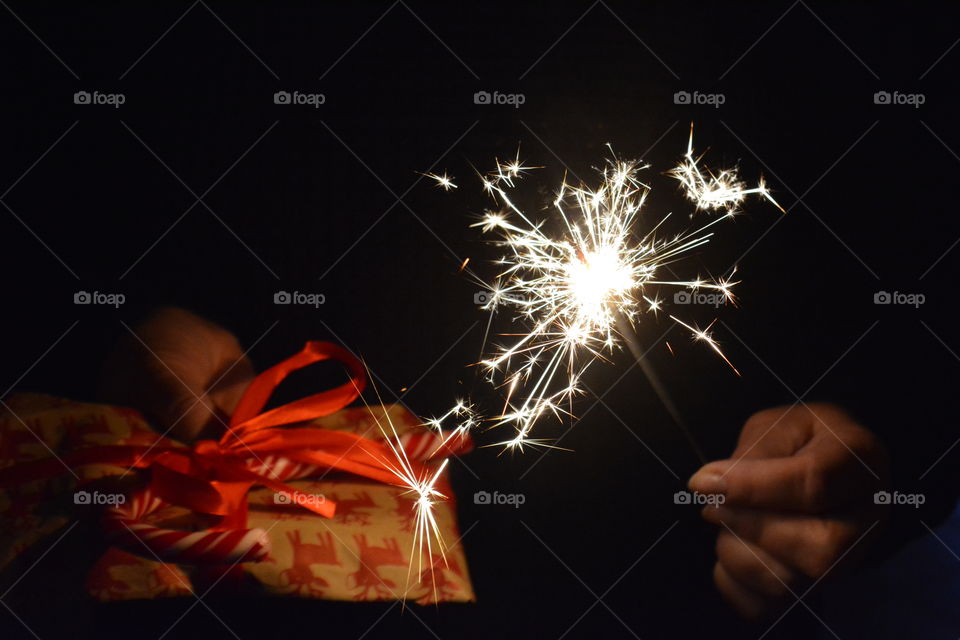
(363, 553)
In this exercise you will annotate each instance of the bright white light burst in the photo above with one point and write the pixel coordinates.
(420, 481)
(571, 288)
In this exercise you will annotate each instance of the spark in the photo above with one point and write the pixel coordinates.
(443, 181)
(706, 336)
(722, 190)
(463, 414)
(420, 483)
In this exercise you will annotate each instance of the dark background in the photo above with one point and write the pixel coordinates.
(328, 200)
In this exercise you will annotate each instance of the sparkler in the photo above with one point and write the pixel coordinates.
(580, 291)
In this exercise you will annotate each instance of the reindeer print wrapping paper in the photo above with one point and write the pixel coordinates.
(361, 554)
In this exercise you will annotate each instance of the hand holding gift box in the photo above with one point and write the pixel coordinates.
(362, 553)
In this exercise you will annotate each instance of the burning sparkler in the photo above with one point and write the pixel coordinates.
(580, 290)
(580, 293)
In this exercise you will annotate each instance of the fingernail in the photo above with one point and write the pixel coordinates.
(708, 481)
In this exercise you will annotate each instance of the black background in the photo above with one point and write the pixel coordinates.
(871, 191)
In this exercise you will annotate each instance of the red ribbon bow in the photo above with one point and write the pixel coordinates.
(214, 477)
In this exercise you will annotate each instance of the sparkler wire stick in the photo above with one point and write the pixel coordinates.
(630, 337)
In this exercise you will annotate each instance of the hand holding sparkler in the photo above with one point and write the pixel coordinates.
(799, 492)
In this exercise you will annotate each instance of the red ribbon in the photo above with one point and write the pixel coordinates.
(212, 476)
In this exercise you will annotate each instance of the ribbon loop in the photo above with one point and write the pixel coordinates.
(247, 416)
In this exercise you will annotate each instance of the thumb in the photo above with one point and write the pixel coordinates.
(771, 483)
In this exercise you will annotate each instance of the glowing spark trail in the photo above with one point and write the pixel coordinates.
(572, 289)
(723, 190)
(426, 532)
(466, 420)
